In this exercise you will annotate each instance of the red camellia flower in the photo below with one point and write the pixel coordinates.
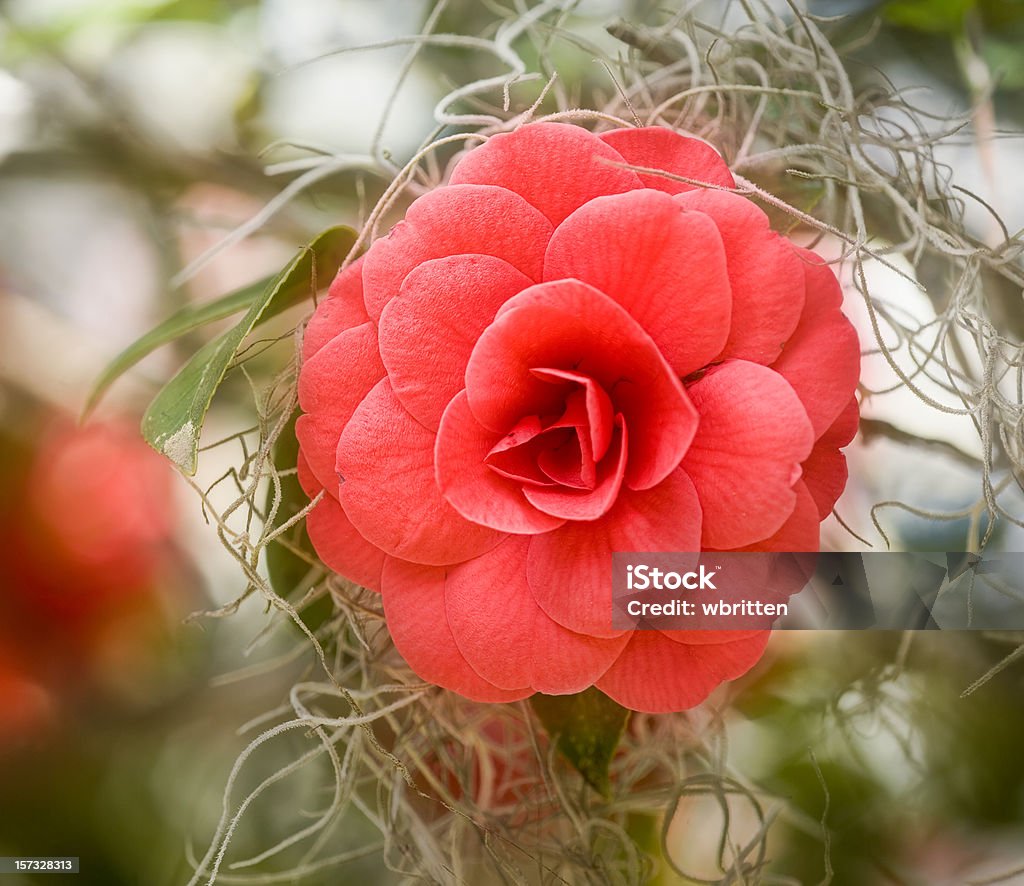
(553, 358)
(98, 518)
(26, 708)
(88, 514)
(89, 517)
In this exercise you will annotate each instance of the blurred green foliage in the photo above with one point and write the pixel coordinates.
(995, 29)
(933, 16)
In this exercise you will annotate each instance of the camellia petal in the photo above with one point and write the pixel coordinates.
(800, 532)
(333, 382)
(821, 360)
(587, 504)
(569, 325)
(456, 220)
(556, 167)
(516, 455)
(307, 479)
(825, 471)
(385, 455)
(765, 275)
(664, 265)
(472, 487)
(753, 434)
(598, 407)
(334, 538)
(415, 610)
(507, 638)
(570, 569)
(657, 675)
(450, 300)
(341, 546)
(342, 309)
(654, 147)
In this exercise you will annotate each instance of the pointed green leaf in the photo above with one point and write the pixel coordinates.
(586, 729)
(174, 420)
(178, 324)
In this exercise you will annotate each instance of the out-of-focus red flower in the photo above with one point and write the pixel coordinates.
(88, 520)
(97, 516)
(26, 707)
(553, 358)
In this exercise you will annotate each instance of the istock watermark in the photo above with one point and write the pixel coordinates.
(950, 590)
(642, 577)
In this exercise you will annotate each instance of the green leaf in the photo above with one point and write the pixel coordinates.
(286, 566)
(586, 729)
(174, 420)
(178, 324)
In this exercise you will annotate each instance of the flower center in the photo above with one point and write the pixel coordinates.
(580, 451)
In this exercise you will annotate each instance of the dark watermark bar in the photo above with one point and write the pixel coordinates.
(708, 591)
(38, 864)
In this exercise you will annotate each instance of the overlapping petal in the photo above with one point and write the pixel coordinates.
(752, 436)
(654, 147)
(342, 309)
(657, 675)
(554, 167)
(335, 539)
(507, 638)
(570, 569)
(341, 546)
(333, 382)
(825, 470)
(385, 456)
(765, 276)
(414, 606)
(800, 532)
(821, 360)
(664, 265)
(428, 332)
(455, 220)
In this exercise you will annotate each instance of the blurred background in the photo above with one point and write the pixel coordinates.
(135, 136)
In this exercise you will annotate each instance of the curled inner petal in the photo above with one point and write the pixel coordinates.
(475, 489)
(569, 326)
(597, 403)
(516, 454)
(596, 498)
(562, 451)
